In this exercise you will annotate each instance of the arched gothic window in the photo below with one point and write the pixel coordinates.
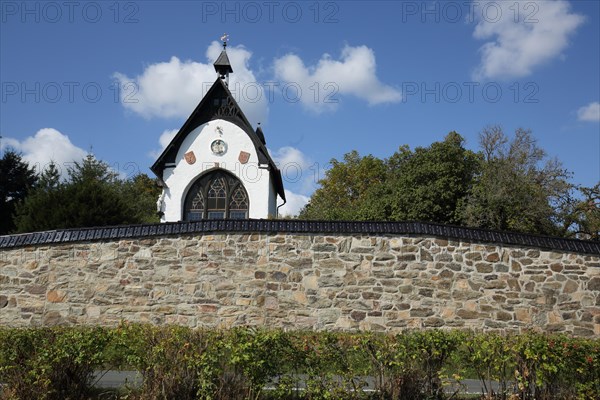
(216, 195)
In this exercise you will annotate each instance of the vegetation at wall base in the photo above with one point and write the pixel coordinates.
(254, 363)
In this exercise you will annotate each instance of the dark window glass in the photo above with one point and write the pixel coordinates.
(216, 195)
(198, 202)
(194, 216)
(238, 214)
(216, 214)
(239, 199)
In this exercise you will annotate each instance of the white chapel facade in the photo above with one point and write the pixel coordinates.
(217, 166)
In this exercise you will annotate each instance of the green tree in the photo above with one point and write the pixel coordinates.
(93, 195)
(431, 183)
(346, 188)
(586, 214)
(16, 180)
(428, 184)
(95, 198)
(518, 187)
(42, 209)
(49, 179)
(141, 193)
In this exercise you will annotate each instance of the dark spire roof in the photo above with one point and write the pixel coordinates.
(222, 65)
(260, 134)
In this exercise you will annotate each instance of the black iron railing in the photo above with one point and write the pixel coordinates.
(296, 226)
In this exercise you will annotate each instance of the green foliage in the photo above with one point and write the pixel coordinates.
(394, 362)
(433, 350)
(255, 356)
(517, 188)
(491, 357)
(182, 363)
(41, 209)
(16, 180)
(50, 363)
(586, 213)
(430, 184)
(140, 194)
(92, 195)
(414, 364)
(427, 184)
(347, 187)
(333, 364)
(175, 362)
(510, 184)
(556, 367)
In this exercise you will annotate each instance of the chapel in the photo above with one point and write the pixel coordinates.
(217, 165)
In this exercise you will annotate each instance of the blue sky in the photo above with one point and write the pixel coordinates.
(323, 78)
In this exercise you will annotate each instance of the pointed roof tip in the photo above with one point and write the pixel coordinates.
(222, 65)
(260, 134)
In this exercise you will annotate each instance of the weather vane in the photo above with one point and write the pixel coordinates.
(225, 39)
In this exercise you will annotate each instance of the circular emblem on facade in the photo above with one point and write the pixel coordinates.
(218, 147)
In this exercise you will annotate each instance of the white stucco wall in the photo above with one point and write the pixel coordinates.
(256, 180)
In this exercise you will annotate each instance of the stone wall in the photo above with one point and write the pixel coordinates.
(302, 281)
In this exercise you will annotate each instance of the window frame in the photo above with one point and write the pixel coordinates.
(203, 184)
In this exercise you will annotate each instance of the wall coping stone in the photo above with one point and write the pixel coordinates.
(298, 226)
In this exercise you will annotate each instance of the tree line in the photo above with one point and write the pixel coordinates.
(508, 184)
(91, 194)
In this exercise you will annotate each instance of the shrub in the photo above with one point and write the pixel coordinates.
(253, 357)
(396, 376)
(556, 366)
(50, 363)
(183, 363)
(175, 362)
(491, 356)
(334, 365)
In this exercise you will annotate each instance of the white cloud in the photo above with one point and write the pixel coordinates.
(174, 88)
(297, 169)
(321, 85)
(45, 146)
(590, 113)
(288, 155)
(523, 35)
(164, 140)
(294, 204)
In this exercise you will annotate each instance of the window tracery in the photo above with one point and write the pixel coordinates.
(216, 195)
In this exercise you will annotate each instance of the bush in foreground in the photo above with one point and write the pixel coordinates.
(182, 363)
